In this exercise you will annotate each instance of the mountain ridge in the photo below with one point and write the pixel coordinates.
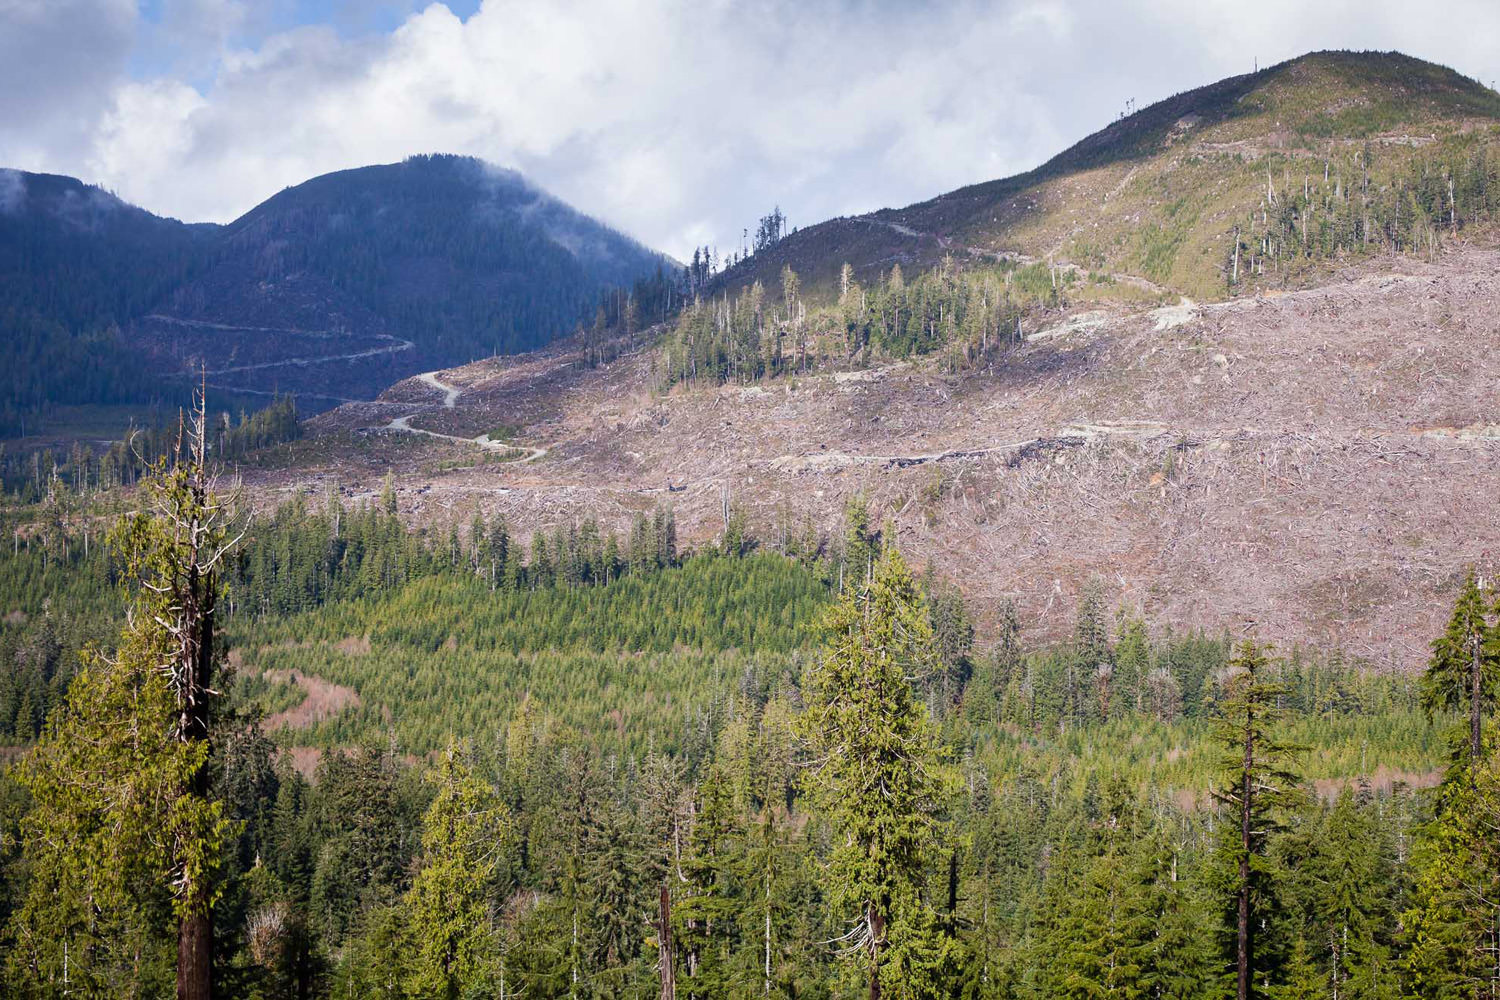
(1310, 107)
(446, 254)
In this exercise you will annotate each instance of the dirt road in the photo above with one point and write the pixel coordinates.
(451, 394)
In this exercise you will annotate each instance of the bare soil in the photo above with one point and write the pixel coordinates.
(324, 699)
(1315, 467)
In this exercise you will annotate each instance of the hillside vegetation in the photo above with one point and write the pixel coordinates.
(76, 264)
(527, 747)
(1310, 161)
(335, 288)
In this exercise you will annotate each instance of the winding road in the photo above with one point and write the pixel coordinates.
(389, 345)
(395, 345)
(450, 400)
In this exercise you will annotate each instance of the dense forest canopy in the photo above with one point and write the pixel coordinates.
(461, 258)
(583, 762)
(76, 264)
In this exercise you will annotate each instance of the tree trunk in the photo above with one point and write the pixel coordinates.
(664, 936)
(767, 980)
(1476, 677)
(877, 933)
(1242, 979)
(195, 953)
(195, 938)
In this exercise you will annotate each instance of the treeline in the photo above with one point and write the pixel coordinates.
(967, 316)
(48, 364)
(1117, 668)
(304, 557)
(1350, 206)
(623, 313)
(31, 476)
(840, 826)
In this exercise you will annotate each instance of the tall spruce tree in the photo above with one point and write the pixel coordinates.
(707, 907)
(1451, 930)
(1464, 673)
(879, 776)
(464, 839)
(1256, 783)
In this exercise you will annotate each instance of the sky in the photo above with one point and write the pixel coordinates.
(680, 122)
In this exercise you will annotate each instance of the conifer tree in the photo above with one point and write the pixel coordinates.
(1464, 673)
(122, 776)
(92, 840)
(464, 837)
(953, 638)
(1301, 980)
(1095, 948)
(1174, 956)
(859, 543)
(1091, 664)
(707, 907)
(879, 777)
(1256, 784)
(1349, 897)
(1451, 929)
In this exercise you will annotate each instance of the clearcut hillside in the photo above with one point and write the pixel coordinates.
(1316, 465)
(1336, 152)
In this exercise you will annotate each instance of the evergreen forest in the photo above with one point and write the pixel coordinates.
(322, 753)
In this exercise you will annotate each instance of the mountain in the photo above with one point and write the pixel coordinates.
(448, 254)
(1366, 141)
(76, 262)
(338, 286)
(1309, 447)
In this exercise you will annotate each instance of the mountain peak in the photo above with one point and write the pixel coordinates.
(1157, 194)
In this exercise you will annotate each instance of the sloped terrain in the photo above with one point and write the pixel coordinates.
(332, 289)
(75, 263)
(448, 255)
(1315, 465)
(1363, 142)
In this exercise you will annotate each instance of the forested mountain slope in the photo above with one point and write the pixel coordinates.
(458, 258)
(332, 289)
(1337, 152)
(75, 264)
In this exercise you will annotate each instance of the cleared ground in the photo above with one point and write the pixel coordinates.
(1316, 466)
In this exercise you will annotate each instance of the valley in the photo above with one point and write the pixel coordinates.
(1078, 584)
(1199, 459)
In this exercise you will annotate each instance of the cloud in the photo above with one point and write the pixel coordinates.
(679, 122)
(60, 61)
(12, 190)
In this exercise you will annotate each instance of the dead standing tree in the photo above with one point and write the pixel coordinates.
(176, 546)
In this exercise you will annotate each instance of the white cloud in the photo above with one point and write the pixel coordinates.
(147, 133)
(677, 121)
(60, 61)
